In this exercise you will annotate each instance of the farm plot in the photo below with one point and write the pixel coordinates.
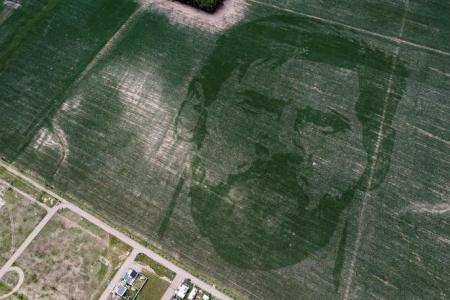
(405, 238)
(47, 45)
(18, 217)
(69, 259)
(6, 9)
(271, 158)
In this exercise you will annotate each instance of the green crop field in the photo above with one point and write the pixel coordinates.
(301, 153)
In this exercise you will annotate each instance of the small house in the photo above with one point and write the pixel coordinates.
(182, 291)
(193, 294)
(130, 276)
(120, 290)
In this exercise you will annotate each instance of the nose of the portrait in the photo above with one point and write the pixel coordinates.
(191, 114)
(186, 121)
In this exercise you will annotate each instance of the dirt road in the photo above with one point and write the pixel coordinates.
(171, 290)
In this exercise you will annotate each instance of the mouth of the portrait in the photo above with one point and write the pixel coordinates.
(266, 236)
(264, 223)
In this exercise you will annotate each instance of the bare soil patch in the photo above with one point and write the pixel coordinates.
(70, 259)
(18, 217)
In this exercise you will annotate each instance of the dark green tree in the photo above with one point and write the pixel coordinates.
(209, 6)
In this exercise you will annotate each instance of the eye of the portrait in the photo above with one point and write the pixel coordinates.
(254, 102)
(330, 121)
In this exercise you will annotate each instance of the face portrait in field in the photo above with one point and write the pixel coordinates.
(283, 119)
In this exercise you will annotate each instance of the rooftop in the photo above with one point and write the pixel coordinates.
(130, 276)
(182, 291)
(120, 290)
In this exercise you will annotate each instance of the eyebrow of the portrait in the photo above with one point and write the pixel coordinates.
(259, 101)
(326, 119)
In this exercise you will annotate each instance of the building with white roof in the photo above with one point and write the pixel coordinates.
(182, 291)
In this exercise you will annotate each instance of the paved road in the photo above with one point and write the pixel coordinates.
(112, 231)
(178, 280)
(115, 280)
